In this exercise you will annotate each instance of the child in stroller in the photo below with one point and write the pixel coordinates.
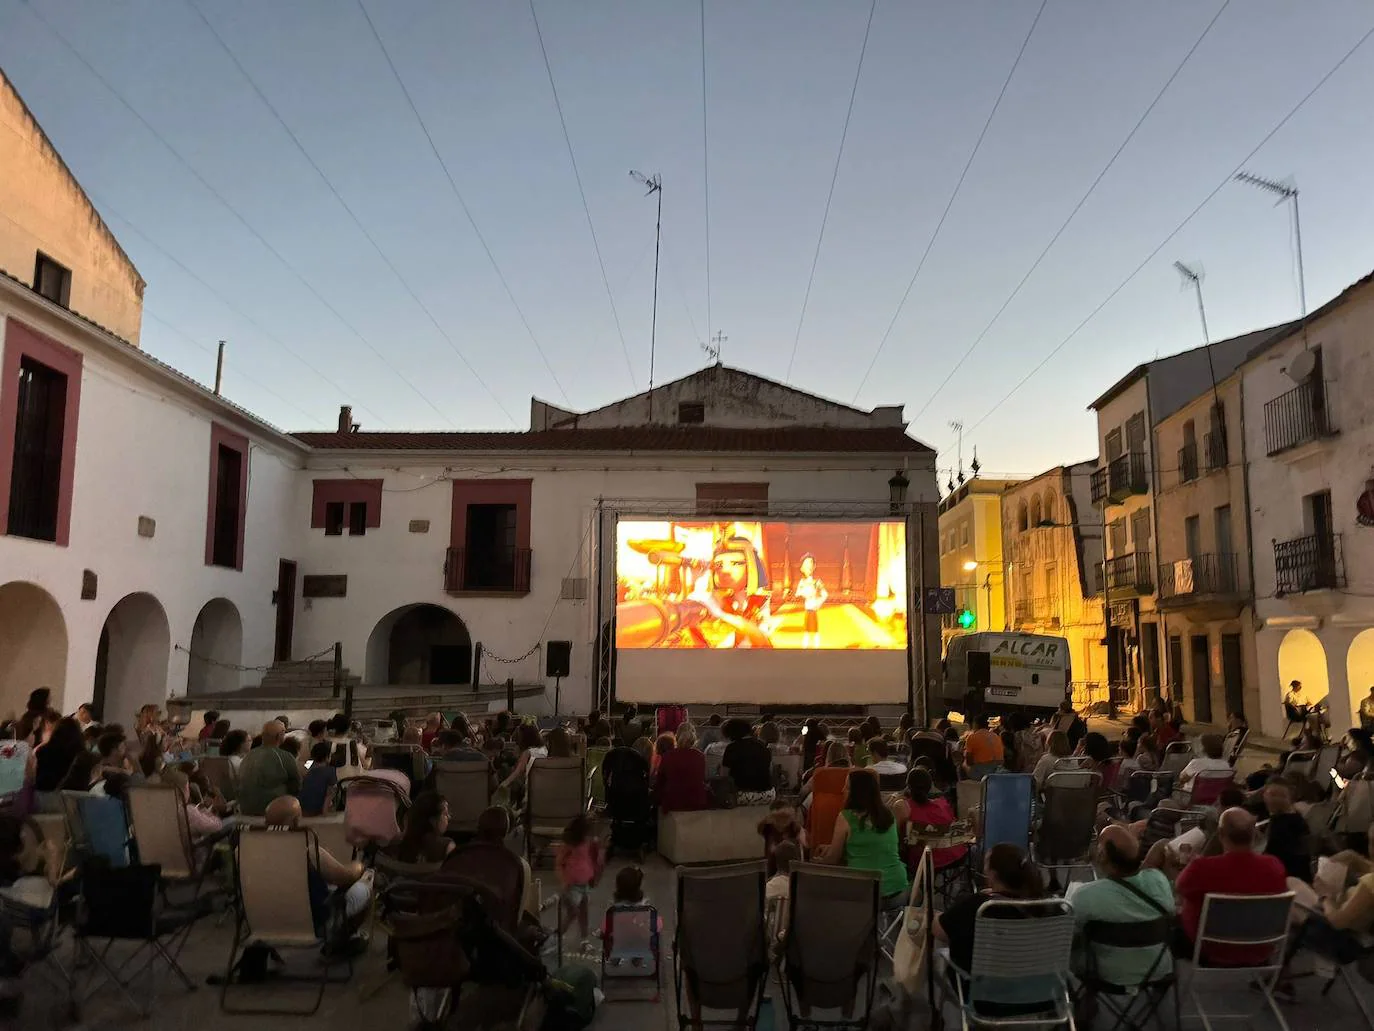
(629, 802)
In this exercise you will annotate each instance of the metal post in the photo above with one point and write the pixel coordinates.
(338, 668)
(510, 694)
(924, 720)
(476, 667)
(219, 368)
(653, 326)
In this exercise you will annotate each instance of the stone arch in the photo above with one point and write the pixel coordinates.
(216, 648)
(33, 646)
(1022, 516)
(1036, 514)
(1302, 657)
(131, 658)
(1359, 668)
(1050, 500)
(419, 644)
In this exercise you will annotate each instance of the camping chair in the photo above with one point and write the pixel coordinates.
(555, 793)
(1017, 963)
(1260, 921)
(630, 958)
(274, 909)
(720, 954)
(1069, 763)
(388, 871)
(1068, 822)
(332, 832)
(1207, 785)
(497, 869)
(121, 905)
(1132, 1005)
(445, 939)
(162, 837)
(968, 796)
(466, 787)
(1327, 758)
(831, 951)
(407, 759)
(1006, 809)
(1295, 716)
(828, 785)
(98, 827)
(372, 802)
(1177, 754)
(34, 921)
(222, 775)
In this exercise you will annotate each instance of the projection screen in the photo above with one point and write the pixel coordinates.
(761, 612)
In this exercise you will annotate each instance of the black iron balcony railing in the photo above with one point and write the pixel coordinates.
(1199, 575)
(1187, 462)
(1123, 476)
(1130, 572)
(1214, 451)
(1311, 563)
(1298, 417)
(495, 571)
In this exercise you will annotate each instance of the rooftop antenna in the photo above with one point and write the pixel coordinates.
(1285, 190)
(974, 464)
(714, 348)
(1192, 276)
(958, 428)
(653, 185)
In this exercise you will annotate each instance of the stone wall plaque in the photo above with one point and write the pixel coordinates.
(419, 526)
(147, 526)
(325, 586)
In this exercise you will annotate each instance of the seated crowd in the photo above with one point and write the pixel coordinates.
(862, 798)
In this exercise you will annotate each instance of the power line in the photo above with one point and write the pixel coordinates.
(939, 225)
(705, 167)
(345, 205)
(109, 212)
(228, 207)
(1092, 187)
(586, 209)
(1179, 228)
(242, 375)
(458, 195)
(830, 194)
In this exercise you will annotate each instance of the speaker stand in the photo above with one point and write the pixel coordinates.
(557, 692)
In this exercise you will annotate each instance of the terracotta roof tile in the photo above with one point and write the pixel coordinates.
(885, 439)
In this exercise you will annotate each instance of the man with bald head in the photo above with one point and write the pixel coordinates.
(1126, 892)
(349, 877)
(1239, 870)
(267, 772)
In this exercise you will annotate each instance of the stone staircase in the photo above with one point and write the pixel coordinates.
(315, 677)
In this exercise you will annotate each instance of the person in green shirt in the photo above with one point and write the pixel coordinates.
(1125, 892)
(267, 772)
(866, 837)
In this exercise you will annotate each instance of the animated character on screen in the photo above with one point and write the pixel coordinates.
(811, 590)
(735, 593)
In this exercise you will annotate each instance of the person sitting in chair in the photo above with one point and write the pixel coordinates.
(327, 874)
(1210, 760)
(1125, 892)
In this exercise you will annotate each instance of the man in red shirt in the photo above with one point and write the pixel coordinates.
(1239, 870)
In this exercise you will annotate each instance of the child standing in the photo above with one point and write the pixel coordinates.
(580, 862)
(780, 825)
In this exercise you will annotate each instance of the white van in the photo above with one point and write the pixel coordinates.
(1000, 673)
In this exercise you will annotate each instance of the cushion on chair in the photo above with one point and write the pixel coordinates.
(712, 835)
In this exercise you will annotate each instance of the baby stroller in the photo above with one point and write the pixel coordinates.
(446, 938)
(629, 804)
(372, 804)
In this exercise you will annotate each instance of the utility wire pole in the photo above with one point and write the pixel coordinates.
(653, 185)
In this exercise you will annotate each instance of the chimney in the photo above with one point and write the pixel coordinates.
(345, 419)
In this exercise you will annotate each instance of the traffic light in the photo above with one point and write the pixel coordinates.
(967, 619)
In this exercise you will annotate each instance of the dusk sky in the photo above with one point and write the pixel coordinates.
(202, 213)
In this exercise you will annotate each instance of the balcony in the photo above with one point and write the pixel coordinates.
(1122, 477)
(1131, 572)
(1298, 417)
(1312, 563)
(1037, 611)
(1211, 584)
(496, 571)
(1214, 451)
(1187, 462)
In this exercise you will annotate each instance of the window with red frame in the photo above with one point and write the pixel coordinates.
(36, 477)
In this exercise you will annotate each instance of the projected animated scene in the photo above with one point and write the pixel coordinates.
(749, 584)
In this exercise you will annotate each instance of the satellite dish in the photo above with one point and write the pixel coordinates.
(1302, 366)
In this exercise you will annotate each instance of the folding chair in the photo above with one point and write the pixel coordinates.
(1068, 823)
(1207, 785)
(500, 871)
(388, 872)
(1301, 763)
(274, 909)
(630, 958)
(1019, 975)
(332, 833)
(162, 837)
(1259, 921)
(1069, 763)
(466, 787)
(222, 775)
(121, 905)
(831, 953)
(98, 827)
(1177, 754)
(1234, 744)
(720, 953)
(555, 793)
(1132, 1005)
(372, 802)
(1006, 808)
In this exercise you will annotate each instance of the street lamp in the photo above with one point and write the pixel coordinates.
(896, 491)
(971, 566)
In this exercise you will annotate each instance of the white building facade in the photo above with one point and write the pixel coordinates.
(1309, 438)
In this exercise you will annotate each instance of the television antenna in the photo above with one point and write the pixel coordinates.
(958, 428)
(653, 185)
(1192, 276)
(1285, 190)
(714, 348)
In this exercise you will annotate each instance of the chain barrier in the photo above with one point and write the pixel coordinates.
(327, 652)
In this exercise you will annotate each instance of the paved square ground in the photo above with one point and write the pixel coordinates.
(388, 1009)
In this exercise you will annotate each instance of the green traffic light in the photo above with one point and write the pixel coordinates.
(966, 619)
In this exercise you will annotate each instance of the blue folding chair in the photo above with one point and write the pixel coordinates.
(1006, 806)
